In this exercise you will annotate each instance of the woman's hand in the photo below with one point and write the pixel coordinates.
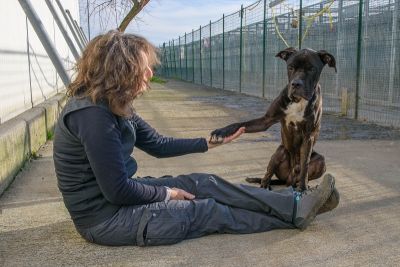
(179, 194)
(227, 139)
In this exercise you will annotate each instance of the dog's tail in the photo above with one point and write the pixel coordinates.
(254, 180)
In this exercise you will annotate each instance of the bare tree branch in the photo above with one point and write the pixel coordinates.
(126, 9)
(137, 7)
(98, 8)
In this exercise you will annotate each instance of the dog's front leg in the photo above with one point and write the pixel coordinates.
(291, 181)
(305, 154)
(252, 126)
(273, 115)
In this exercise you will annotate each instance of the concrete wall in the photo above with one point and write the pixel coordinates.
(23, 135)
(24, 85)
(31, 92)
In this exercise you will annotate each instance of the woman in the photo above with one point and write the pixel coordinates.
(93, 145)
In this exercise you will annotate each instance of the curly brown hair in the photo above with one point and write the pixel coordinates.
(112, 69)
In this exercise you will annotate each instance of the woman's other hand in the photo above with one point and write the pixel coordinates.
(179, 194)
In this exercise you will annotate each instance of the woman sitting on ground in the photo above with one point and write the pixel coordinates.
(94, 140)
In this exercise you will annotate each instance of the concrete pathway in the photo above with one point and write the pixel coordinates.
(35, 229)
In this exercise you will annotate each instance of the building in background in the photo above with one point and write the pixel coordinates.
(28, 79)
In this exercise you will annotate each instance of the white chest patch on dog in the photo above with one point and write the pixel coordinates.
(295, 111)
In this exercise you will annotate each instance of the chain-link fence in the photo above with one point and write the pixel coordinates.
(238, 52)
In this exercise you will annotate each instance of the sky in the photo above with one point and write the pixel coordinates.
(163, 20)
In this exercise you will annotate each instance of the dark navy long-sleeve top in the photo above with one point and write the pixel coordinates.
(94, 164)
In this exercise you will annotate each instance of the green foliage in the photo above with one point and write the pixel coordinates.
(34, 155)
(50, 135)
(156, 79)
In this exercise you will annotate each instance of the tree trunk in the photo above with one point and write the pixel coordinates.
(137, 7)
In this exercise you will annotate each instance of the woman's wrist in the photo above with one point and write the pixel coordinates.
(212, 145)
(168, 195)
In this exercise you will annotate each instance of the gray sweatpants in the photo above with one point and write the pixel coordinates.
(219, 207)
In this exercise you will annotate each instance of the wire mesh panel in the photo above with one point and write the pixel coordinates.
(379, 94)
(174, 56)
(177, 60)
(326, 31)
(252, 48)
(173, 59)
(341, 97)
(170, 60)
(182, 58)
(238, 52)
(232, 51)
(166, 60)
(190, 57)
(197, 58)
(163, 68)
(205, 43)
(217, 53)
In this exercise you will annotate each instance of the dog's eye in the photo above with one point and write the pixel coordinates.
(290, 68)
(313, 69)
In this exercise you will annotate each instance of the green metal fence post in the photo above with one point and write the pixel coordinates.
(173, 50)
(300, 23)
(192, 55)
(223, 51)
(359, 40)
(393, 57)
(170, 59)
(264, 40)
(201, 61)
(186, 58)
(180, 57)
(165, 60)
(210, 58)
(240, 49)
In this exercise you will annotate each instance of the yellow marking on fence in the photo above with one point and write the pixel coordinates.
(309, 20)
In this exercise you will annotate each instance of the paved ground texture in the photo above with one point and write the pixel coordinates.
(35, 229)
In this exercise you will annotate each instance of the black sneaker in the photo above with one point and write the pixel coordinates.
(308, 202)
(331, 203)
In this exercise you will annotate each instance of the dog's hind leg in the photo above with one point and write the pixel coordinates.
(274, 165)
(317, 166)
(277, 161)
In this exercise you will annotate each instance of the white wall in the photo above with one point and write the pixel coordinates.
(16, 84)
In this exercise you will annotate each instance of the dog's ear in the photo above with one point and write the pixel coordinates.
(285, 54)
(327, 59)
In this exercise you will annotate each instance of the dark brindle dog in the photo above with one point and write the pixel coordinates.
(298, 108)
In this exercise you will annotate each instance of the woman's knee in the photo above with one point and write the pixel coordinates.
(195, 179)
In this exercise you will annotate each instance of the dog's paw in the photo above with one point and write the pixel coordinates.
(218, 135)
(265, 184)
